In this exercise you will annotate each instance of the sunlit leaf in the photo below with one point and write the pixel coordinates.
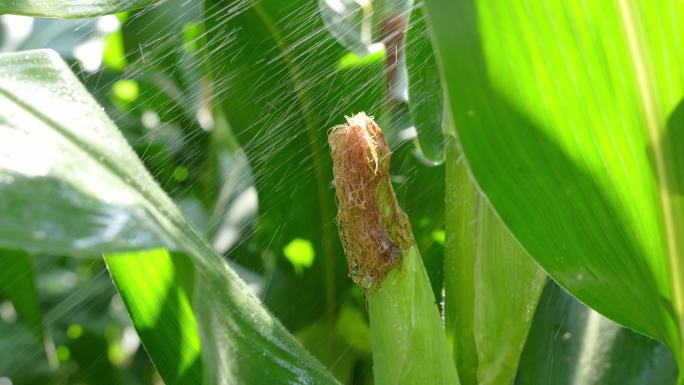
(300, 253)
(113, 55)
(156, 287)
(69, 183)
(70, 8)
(570, 115)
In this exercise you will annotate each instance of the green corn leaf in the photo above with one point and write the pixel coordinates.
(70, 184)
(95, 368)
(491, 285)
(426, 101)
(570, 115)
(17, 283)
(572, 344)
(280, 112)
(70, 8)
(156, 287)
(164, 58)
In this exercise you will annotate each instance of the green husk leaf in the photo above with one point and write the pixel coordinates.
(408, 341)
(491, 285)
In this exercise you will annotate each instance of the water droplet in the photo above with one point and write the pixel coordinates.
(366, 282)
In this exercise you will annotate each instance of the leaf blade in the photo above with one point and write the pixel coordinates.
(426, 101)
(121, 209)
(17, 283)
(488, 278)
(156, 287)
(572, 344)
(556, 134)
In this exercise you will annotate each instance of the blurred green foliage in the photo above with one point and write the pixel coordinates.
(228, 106)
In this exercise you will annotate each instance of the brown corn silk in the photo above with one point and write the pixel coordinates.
(374, 231)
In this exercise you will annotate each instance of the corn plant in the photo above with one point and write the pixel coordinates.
(504, 204)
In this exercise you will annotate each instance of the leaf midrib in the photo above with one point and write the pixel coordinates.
(317, 160)
(661, 166)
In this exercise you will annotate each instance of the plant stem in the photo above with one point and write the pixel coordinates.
(407, 337)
